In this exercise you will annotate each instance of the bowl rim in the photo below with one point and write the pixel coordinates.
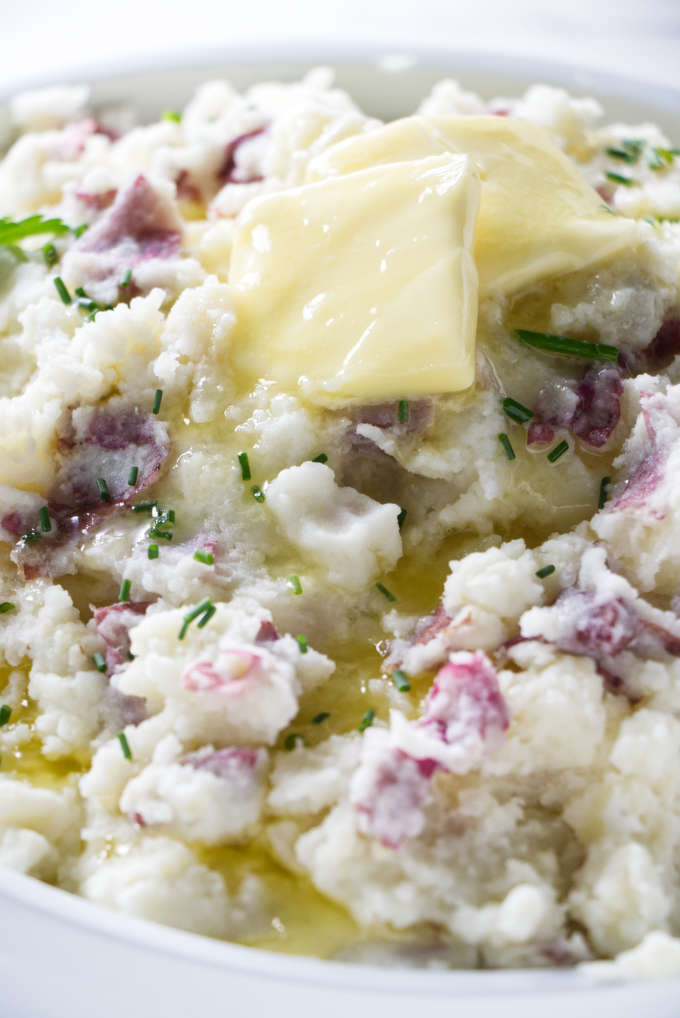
(37, 896)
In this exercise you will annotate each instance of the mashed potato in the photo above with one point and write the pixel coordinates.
(339, 475)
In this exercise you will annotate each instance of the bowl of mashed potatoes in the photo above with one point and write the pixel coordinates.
(339, 612)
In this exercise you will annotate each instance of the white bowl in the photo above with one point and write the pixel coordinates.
(61, 957)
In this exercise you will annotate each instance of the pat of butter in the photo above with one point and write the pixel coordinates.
(538, 216)
(362, 286)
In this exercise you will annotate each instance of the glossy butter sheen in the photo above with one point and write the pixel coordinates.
(361, 286)
(538, 216)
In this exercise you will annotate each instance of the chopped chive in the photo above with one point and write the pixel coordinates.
(78, 231)
(5, 714)
(6, 606)
(80, 292)
(545, 571)
(50, 254)
(620, 153)
(655, 162)
(205, 607)
(617, 178)
(157, 398)
(206, 616)
(566, 346)
(206, 557)
(126, 280)
(245, 466)
(507, 445)
(403, 411)
(291, 741)
(144, 507)
(400, 679)
(367, 720)
(321, 458)
(401, 517)
(124, 745)
(294, 584)
(61, 289)
(604, 484)
(99, 662)
(634, 145)
(517, 411)
(558, 451)
(133, 475)
(172, 115)
(45, 521)
(124, 594)
(385, 592)
(163, 535)
(152, 551)
(319, 718)
(257, 493)
(302, 643)
(103, 489)
(32, 536)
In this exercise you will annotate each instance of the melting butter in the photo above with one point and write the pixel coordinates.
(538, 216)
(362, 286)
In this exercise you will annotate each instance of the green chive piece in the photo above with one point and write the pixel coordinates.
(5, 714)
(291, 741)
(6, 606)
(205, 607)
(385, 592)
(61, 289)
(45, 521)
(401, 517)
(566, 346)
(517, 411)
(157, 398)
(99, 662)
(32, 536)
(321, 458)
(257, 493)
(633, 145)
(152, 551)
(558, 451)
(620, 153)
(294, 584)
(78, 231)
(319, 718)
(126, 280)
(367, 720)
(507, 445)
(163, 535)
(245, 466)
(545, 571)
(403, 411)
(144, 507)
(617, 178)
(206, 616)
(50, 254)
(205, 557)
(124, 594)
(103, 489)
(133, 475)
(172, 115)
(604, 484)
(124, 745)
(302, 643)
(400, 679)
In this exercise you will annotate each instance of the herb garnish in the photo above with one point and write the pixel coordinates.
(245, 466)
(126, 280)
(507, 445)
(99, 662)
(257, 493)
(205, 557)
(45, 521)
(294, 584)
(385, 592)
(400, 679)
(152, 551)
(403, 410)
(291, 741)
(621, 153)
(401, 517)
(517, 411)
(32, 536)
(206, 609)
(124, 745)
(103, 489)
(545, 571)
(566, 346)
(157, 398)
(61, 289)
(172, 115)
(50, 254)
(6, 606)
(11, 232)
(367, 720)
(144, 507)
(302, 643)
(558, 451)
(124, 594)
(319, 718)
(5, 714)
(604, 484)
(133, 475)
(321, 458)
(617, 178)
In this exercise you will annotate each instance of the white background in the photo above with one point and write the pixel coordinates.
(52, 38)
